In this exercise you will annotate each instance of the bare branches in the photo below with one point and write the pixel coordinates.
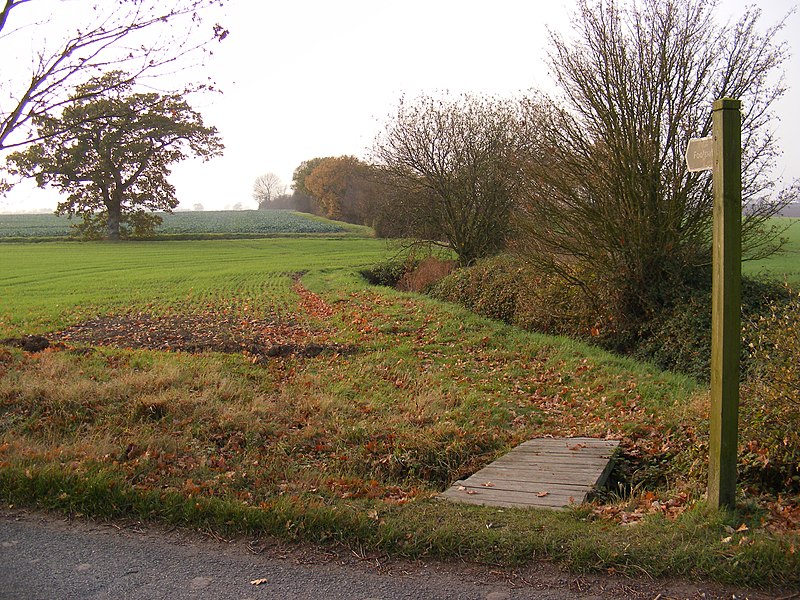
(454, 161)
(267, 188)
(610, 197)
(112, 36)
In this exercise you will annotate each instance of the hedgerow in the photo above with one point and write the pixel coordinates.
(770, 406)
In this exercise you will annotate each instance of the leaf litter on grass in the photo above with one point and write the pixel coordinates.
(211, 330)
(456, 394)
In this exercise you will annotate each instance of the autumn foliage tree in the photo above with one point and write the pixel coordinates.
(344, 189)
(111, 150)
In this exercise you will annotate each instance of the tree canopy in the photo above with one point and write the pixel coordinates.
(110, 151)
(344, 189)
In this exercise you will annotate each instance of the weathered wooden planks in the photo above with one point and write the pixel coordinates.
(543, 472)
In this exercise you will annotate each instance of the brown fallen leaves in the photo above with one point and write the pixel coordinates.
(638, 508)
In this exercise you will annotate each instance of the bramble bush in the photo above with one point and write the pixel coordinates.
(389, 272)
(770, 401)
(679, 337)
(486, 288)
(507, 289)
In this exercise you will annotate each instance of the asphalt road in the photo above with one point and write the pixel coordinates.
(50, 558)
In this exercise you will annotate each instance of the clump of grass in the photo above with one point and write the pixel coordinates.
(154, 409)
(697, 545)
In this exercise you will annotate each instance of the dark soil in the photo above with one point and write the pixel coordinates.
(29, 343)
(208, 332)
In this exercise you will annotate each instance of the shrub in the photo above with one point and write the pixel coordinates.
(508, 289)
(489, 288)
(679, 338)
(389, 272)
(770, 406)
(425, 274)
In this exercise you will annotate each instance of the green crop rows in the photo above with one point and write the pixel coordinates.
(53, 284)
(262, 222)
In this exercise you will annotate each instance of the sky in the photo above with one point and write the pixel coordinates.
(308, 78)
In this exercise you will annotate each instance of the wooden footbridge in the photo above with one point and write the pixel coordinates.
(543, 473)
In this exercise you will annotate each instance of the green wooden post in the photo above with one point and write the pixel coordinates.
(726, 299)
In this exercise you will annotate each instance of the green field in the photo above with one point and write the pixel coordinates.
(348, 444)
(786, 264)
(242, 222)
(252, 223)
(54, 283)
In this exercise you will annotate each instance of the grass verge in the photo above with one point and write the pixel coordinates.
(346, 447)
(697, 545)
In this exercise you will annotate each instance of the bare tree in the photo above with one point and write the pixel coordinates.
(266, 189)
(453, 162)
(142, 37)
(610, 203)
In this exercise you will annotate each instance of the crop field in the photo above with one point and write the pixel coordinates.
(52, 284)
(262, 387)
(253, 222)
(786, 264)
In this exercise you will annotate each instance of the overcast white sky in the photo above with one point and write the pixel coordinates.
(308, 78)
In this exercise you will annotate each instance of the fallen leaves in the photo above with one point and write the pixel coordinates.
(261, 581)
(647, 504)
(210, 330)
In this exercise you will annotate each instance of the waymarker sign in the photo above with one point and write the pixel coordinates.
(722, 154)
(700, 154)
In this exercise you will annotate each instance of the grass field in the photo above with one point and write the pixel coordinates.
(349, 443)
(50, 285)
(784, 265)
(242, 222)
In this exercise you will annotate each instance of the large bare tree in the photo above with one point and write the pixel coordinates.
(452, 163)
(610, 203)
(77, 40)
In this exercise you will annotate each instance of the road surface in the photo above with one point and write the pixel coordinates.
(48, 557)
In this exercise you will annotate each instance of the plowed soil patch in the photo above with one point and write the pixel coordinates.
(198, 333)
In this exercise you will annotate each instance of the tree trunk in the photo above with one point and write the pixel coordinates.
(114, 213)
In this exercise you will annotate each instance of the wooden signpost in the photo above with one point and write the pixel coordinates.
(726, 166)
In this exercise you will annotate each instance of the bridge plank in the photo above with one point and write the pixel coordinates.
(545, 472)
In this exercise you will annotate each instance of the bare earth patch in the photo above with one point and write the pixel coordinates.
(207, 332)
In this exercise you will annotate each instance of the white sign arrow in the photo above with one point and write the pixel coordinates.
(700, 154)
